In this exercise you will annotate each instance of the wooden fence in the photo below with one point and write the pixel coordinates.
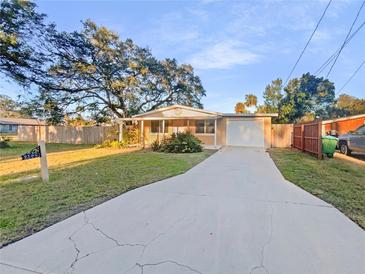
(67, 134)
(308, 137)
(281, 135)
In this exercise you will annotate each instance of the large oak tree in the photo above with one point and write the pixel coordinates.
(92, 70)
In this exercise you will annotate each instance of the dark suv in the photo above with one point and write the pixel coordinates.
(354, 141)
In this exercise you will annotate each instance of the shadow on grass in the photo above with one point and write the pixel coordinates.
(18, 148)
(29, 207)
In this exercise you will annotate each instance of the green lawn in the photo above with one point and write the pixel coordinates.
(27, 207)
(336, 181)
(18, 148)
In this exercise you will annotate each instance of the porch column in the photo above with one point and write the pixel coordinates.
(120, 135)
(163, 129)
(215, 133)
(142, 133)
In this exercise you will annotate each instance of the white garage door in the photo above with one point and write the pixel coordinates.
(248, 133)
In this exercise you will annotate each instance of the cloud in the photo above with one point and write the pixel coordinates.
(222, 55)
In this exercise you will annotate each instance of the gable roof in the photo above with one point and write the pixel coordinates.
(21, 121)
(177, 111)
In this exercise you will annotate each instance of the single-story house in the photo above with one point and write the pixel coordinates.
(9, 126)
(342, 125)
(212, 128)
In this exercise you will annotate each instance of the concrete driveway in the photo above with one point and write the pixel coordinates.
(233, 213)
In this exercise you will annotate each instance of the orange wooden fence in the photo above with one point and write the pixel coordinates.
(308, 137)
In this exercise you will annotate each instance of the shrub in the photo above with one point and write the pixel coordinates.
(111, 144)
(4, 142)
(182, 142)
(156, 146)
(131, 135)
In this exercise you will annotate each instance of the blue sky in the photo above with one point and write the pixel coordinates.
(236, 47)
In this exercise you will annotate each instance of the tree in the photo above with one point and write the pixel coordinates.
(90, 71)
(44, 108)
(21, 32)
(272, 97)
(94, 71)
(250, 100)
(306, 95)
(348, 105)
(240, 108)
(9, 107)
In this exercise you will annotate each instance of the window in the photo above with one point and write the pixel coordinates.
(10, 128)
(204, 126)
(166, 126)
(209, 126)
(199, 126)
(156, 126)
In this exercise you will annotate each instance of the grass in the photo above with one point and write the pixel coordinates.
(336, 181)
(18, 148)
(79, 180)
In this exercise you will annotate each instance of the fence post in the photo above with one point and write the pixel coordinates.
(320, 139)
(302, 137)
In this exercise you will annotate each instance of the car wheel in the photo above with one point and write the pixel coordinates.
(345, 149)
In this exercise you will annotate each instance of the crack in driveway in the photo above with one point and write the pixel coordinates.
(266, 243)
(142, 266)
(115, 241)
(105, 235)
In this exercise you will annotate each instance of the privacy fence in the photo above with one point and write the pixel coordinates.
(67, 134)
(281, 135)
(308, 137)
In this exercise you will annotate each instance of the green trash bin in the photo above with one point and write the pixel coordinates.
(329, 144)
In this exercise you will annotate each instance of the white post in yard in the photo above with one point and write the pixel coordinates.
(120, 136)
(43, 160)
(215, 133)
(142, 133)
(163, 129)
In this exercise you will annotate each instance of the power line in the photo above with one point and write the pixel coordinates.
(352, 76)
(347, 36)
(328, 61)
(310, 38)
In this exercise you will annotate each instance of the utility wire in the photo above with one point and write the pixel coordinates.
(347, 36)
(310, 38)
(330, 59)
(352, 76)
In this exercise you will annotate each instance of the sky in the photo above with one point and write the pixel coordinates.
(235, 47)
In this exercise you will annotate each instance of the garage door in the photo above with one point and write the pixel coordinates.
(245, 133)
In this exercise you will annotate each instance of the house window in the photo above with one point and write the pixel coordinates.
(200, 126)
(204, 126)
(156, 126)
(166, 126)
(209, 126)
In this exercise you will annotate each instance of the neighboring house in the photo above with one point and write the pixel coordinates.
(9, 126)
(212, 128)
(342, 125)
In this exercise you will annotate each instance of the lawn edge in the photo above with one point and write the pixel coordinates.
(327, 202)
(101, 201)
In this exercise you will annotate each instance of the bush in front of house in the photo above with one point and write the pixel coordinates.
(181, 142)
